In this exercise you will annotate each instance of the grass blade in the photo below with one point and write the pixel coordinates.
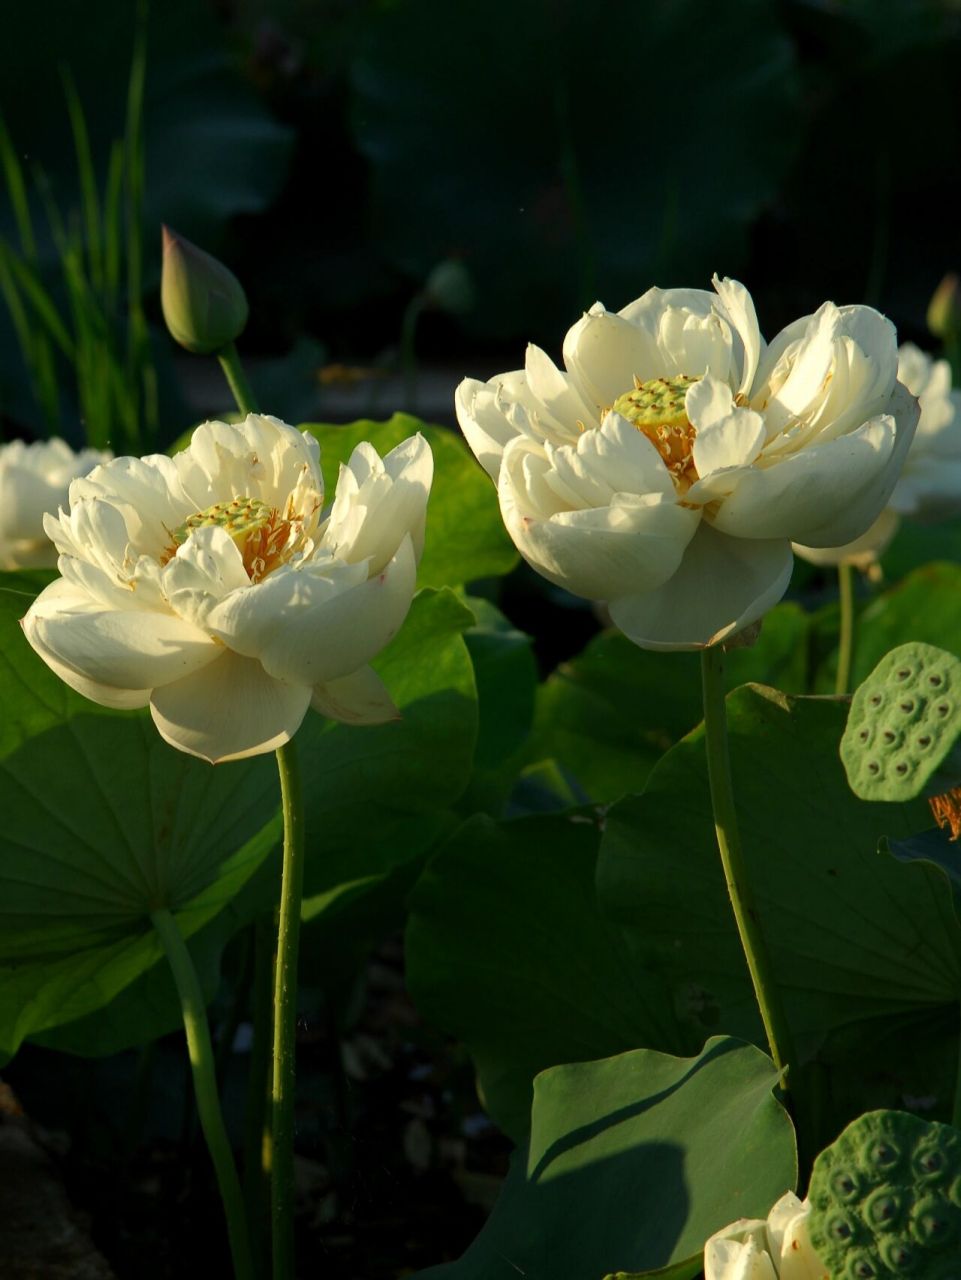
(40, 300)
(17, 190)
(90, 202)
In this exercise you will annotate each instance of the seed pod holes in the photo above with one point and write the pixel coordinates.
(882, 1199)
(903, 723)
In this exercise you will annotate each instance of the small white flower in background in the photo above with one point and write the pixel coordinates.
(668, 467)
(34, 479)
(776, 1249)
(929, 487)
(211, 586)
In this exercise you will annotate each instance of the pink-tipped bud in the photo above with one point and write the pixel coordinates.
(203, 303)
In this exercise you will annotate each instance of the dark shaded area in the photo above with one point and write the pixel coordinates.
(335, 153)
(396, 1164)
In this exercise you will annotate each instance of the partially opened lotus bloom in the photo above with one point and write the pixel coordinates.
(929, 487)
(34, 479)
(668, 467)
(212, 586)
(776, 1249)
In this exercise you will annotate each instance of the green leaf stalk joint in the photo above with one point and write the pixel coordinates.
(204, 304)
(903, 731)
(884, 1200)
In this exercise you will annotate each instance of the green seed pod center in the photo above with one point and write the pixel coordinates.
(261, 534)
(657, 408)
(240, 517)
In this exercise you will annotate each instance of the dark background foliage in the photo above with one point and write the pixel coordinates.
(335, 151)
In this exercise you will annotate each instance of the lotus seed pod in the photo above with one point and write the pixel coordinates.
(903, 728)
(885, 1201)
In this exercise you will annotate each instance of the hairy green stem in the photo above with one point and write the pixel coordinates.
(285, 1016)
(234, 373)
(735, 871)
(842, 685)
(956, 1111)
(205, 1086)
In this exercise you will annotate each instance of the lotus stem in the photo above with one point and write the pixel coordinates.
(202, 1066)
(285, 1017)
(842, 685)
(746, 915)
(236, 378)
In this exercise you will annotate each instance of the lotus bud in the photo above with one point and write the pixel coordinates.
(204, 304)
(449, 288)
(944, 309)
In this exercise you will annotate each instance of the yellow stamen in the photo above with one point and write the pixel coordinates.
(656, 407)
(260, 533)
(947, 811)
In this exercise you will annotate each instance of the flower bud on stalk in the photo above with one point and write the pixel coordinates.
(450, 288)
(944, 309)
(944, 320)
(204, 304)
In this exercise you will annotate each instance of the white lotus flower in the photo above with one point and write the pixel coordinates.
(929, 487)
(34, 479)
(210, 586)
(667, 469)
(777, 1249)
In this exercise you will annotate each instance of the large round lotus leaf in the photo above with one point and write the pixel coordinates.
(855, 935)
(632, 1163)
(607, 716)
(507, 951)
(102, 823)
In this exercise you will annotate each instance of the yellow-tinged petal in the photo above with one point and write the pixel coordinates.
(630, 540)
(104, 695)
(377, 503)
(605, 352)
(776, 1249)
(34, 482)
(308, 628)
(739, 306)
(737, 1260)
(722, 585)
(230, 710)
(828, 494)
(863, 551)
(790, 1241)
(360, 698)
(201, 580)
(485, 426)
(122, 649)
